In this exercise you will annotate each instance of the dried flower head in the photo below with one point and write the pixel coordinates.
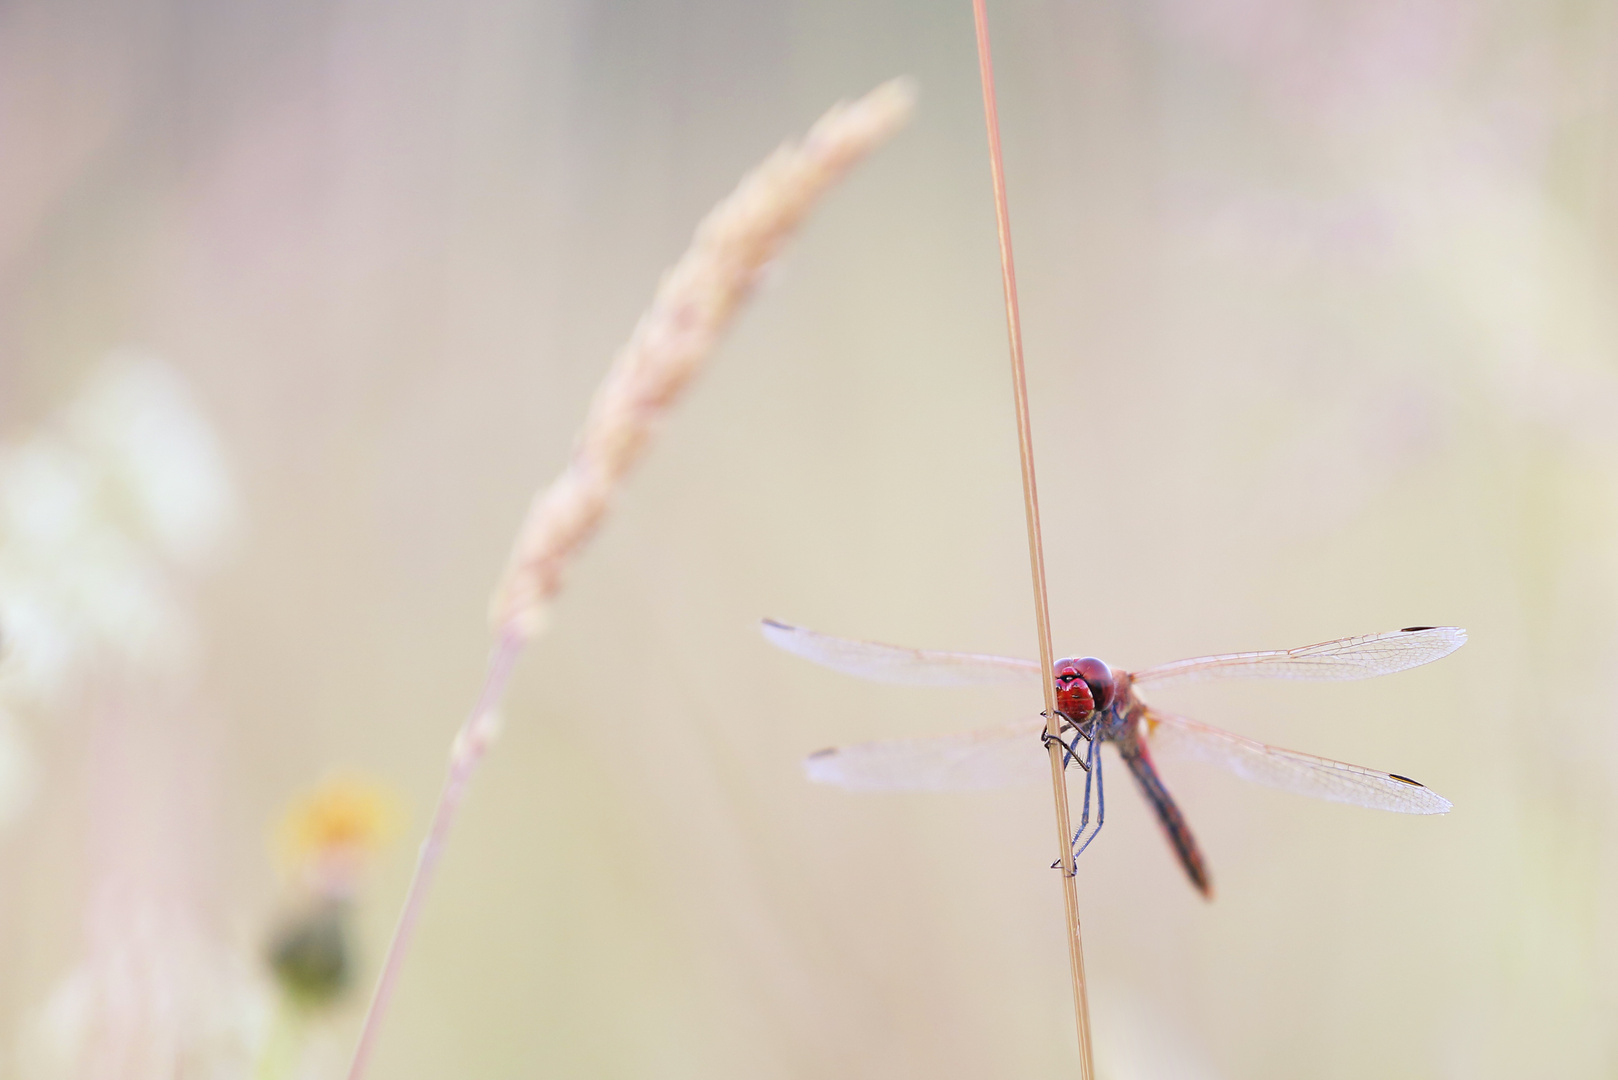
(693, 306)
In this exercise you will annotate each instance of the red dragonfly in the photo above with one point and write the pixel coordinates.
(1099, 704)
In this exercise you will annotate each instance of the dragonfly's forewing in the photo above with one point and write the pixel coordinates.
(974, 760)
(1346, 658)
(895, 664)
(1288, 770)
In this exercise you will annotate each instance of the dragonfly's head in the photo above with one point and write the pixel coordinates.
(1082, 687)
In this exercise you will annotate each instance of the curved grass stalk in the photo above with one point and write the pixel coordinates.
(694, 304)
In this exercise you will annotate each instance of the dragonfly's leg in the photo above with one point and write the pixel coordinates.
(1084, 763)
(1072, 757)
(1101, 804)
(1078, 729)
(1065, 721)
(1089, 775)
(1070, 754)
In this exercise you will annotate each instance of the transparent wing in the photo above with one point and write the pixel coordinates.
(1301, 774)
(1346, 658)
(895, 664)
(991, 758)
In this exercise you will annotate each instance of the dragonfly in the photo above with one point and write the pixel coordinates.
(1097, 703)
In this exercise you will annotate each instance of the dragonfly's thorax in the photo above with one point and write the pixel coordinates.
(1115, 724)
(1120, 720)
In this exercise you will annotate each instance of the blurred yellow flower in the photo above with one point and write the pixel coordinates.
(344, 819)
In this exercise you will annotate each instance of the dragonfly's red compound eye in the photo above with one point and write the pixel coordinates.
(1098, 677)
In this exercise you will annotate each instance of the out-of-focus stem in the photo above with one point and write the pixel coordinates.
(1036, 547)
(470, 745)
(278, 1057)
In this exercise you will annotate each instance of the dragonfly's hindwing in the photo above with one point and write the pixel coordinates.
(974, 760)
(1289, 770)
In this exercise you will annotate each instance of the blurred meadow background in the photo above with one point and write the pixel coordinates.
(299, 303)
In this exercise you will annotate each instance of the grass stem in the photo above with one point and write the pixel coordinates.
(1036, 548)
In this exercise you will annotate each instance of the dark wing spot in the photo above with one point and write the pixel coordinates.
(1405, 779)
(777, 625)
(830, 750)
(1412, 630)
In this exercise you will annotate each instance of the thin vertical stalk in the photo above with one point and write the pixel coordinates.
(1036, 547)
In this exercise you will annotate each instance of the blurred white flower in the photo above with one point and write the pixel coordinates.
(106, 513)
(36, 650)
(138, 420)
(45, 495)
(153, 999)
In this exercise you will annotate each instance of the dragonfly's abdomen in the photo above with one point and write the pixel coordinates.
(1140, 764)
